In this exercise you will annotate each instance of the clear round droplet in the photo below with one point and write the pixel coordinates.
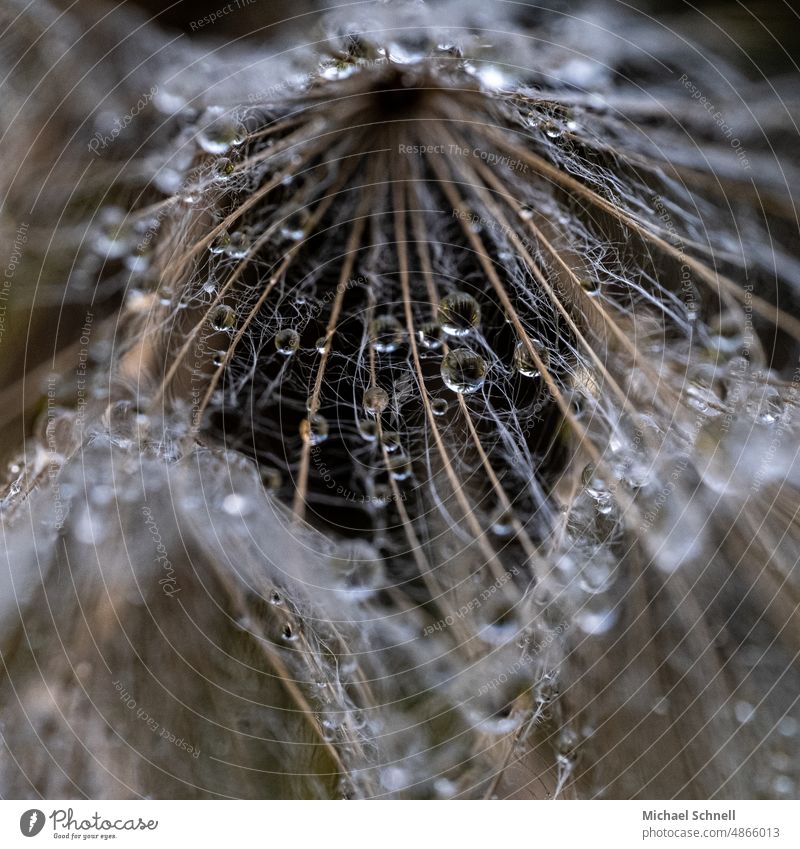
(368, 429)
(220, 131)
(524, 362)
(503, 522)
(399, 466)
(224, 167)
(439, 406)
(116, 234)
(314, 429)
(463, 371)
(386, 334)
(390, 440)
(459, 313)
(223, 317)
(376, 400)
(220, 243)
(238, 245)
(287, 341)
(430, 335)
(594, 483)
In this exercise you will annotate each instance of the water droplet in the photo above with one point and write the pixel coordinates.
(743, 711)
(220, 243)
(448, 49)
(236, 505)
(439, 406)
(223, 317)
(219, 358)
(238, 245)
(524, 362)
(583, 381)
(224, 167)
(381, 495)
(594, 483)
(292, 233)
(321, 344)
(596, 618)
(501, 625)
(390, 440)
(338, 70)
(116, 235)
(765, 404)
(386, 334)
(220, 131)
(314, 429)
(288, 633)
(368, 430)
(546, 691)
(399, 466)
(430, 336)
(597, 573)
(503, 522)
(463, 371)
(376, 399)
(553, 130)
(567, 744)
(459, 313)
(360, 569)
(287, 341)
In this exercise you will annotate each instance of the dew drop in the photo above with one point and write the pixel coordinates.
(287, 341)
(386, 334)
(289, 633)
(567, 744)
(546, 691)
(553, 130)
(376, 399)
(459, 313)
(238, 245)
(223, 317)
(430, 336)
(368, 430)
(596, 619)
(220, 243)
(220, 131)
(116, 235)
(314, 429)
(594, 483)
(390, 440)
(236, 505)
(503, 522)
(292, 234)
(359, 569)
(524, 362)
(399, 466)
(439, 406)
(224, 167)
(321, 344)
(463, 371)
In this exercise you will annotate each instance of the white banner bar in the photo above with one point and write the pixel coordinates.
(401, 825)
